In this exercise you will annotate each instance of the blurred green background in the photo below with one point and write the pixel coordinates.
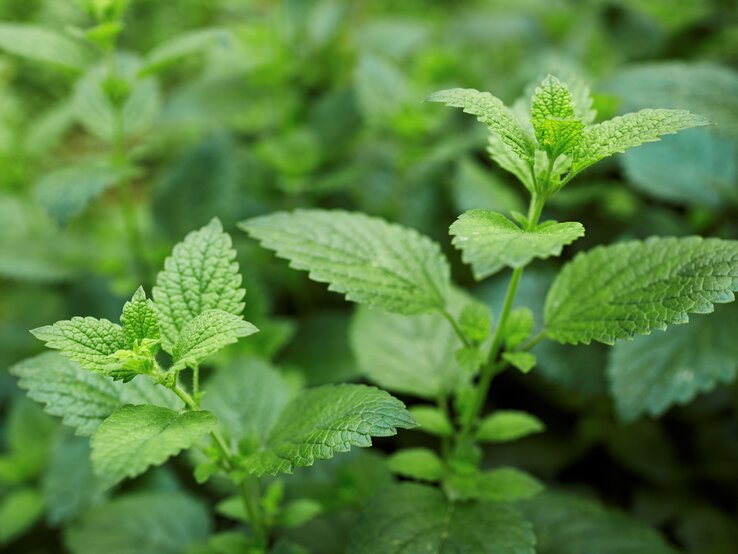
(300, 103)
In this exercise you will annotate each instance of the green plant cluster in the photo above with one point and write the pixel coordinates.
(504, 336)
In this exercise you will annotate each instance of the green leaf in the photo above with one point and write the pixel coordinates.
(566, 524)
(299, 512)
(507, 159)
(431, 420)
(475, 322)
(627, 289)
(139, 319)
(365, 258)
(508, 425)
(325, 420)
(20, 509)
(490, 110)
(628, 131)
(650, 374)
(182, 46)
(522, 361)
(206, 334)
(505, 484)
(411, 518)
(81, 398)
(134, 438)
(417, 463)
(518, 328)
(407, 354)
(557, 129)
(90, 342)
(201, 274)
(489, 241)
(65, 193)
(45, 45)
(475, 186)
(144, 523)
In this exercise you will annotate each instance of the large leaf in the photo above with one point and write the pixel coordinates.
(414, 519)
(325, 420)
(627, 289)
(489, 241)
(566, 524)
(650, 374)
(144, 523)
(134, 438)
(366, 258)
(39, 43)
(201, 274)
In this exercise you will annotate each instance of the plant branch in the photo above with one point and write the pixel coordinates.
(455, 325)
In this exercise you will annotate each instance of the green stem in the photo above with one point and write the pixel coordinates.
(531, 343)
(456, 328)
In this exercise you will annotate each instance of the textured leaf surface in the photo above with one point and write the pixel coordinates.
(139, 318)
(508, 425)
(136, 437)
(628, 289)
(325, 420)
(407, 354)
(81, 398)
(505, 484)
(552, 109)
(415, 519)
(566, 524)
(144, 523)
(490, 110)
(44, 45)
(368, 259)
(489, 241)
(88, 341)
(206, 334)
(650, 374)
(201, 274)
(628, 131)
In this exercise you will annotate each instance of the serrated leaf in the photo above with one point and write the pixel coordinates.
(183, 45)
(557, 128)
(206, 334)
(490, 110)
(505, 484)
(566, 524)
(139, 319)
(325, 420)
(431, 420)
(627, 289)
(551, 99)
(144, 523)
(505, 157)
(90, 342)
(45, 45)
(650, 374)
(489, 241)
(417, 463)
(508, 425)
(201, 274)
(522, 361)
(413, 354)
(368, 259)
(621, 133)
(415, 518)
(81, 398)
(134, 438)
(65, 193)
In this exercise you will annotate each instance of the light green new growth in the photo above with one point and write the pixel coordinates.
(201, 274)
(139, 319)
(489, 241)
(206, 334)
(628, 289)
(557, 128)
(134, 438)
(508, 425)
(365, 258)
(326, 420)
(417, 463)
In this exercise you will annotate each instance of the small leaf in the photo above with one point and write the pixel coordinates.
(365, 258)
(518, 327)
(631, 288)
(139, 319)
(489, 241)
(45, 45)
(325, 420)
(417, 463)
(431, 420)
(523, 361)
(206, 334)
(505, 484)
(201, 274)
(134, 438)
(299, 512)
(557, 129)
(475, 322)
(416, 518)
(508, 425)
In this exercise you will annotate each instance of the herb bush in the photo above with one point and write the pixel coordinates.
(531, 346)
